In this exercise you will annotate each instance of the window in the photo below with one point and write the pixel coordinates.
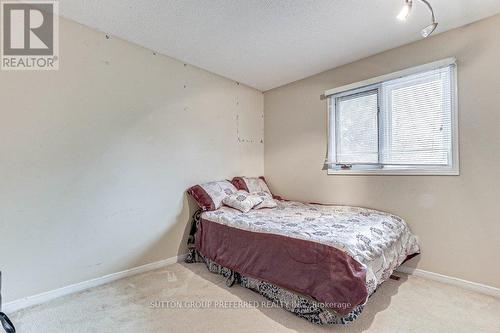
(401, 123)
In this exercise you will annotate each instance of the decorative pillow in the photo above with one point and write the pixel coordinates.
(267, 200)
(251, 184)
(209, 196)
(242, 201)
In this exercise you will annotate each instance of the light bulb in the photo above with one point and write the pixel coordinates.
(405, 11)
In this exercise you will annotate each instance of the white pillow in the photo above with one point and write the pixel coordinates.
(242, 201)
(267, 200)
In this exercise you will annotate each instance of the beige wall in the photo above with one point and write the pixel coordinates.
(95, 158)
(455, 217)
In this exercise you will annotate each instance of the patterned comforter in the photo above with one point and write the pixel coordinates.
(335, 254)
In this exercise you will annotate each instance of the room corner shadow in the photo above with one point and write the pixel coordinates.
(412, 264)
(377, 303)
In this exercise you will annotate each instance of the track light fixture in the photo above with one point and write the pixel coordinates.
(405, 12)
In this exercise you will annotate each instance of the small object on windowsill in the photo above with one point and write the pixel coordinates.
(6, 323)
(4, 320)
(345, 166)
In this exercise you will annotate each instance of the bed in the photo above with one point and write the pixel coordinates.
(321, 262)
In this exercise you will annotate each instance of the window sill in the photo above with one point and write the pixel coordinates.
(396, 172)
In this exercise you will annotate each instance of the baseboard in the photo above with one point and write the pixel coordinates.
(469, 285)
(81, 286)
(77, 287)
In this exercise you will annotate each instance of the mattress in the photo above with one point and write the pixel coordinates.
(337, 255)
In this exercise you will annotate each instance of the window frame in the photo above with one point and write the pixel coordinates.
(373, 84)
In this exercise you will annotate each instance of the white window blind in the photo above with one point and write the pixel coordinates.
(406, 122)
(357, 140)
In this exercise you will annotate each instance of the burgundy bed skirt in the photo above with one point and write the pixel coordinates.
(325, 273)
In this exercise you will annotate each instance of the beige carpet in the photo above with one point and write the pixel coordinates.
(409, 305)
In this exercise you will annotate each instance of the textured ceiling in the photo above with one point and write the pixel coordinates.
(268, 43)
